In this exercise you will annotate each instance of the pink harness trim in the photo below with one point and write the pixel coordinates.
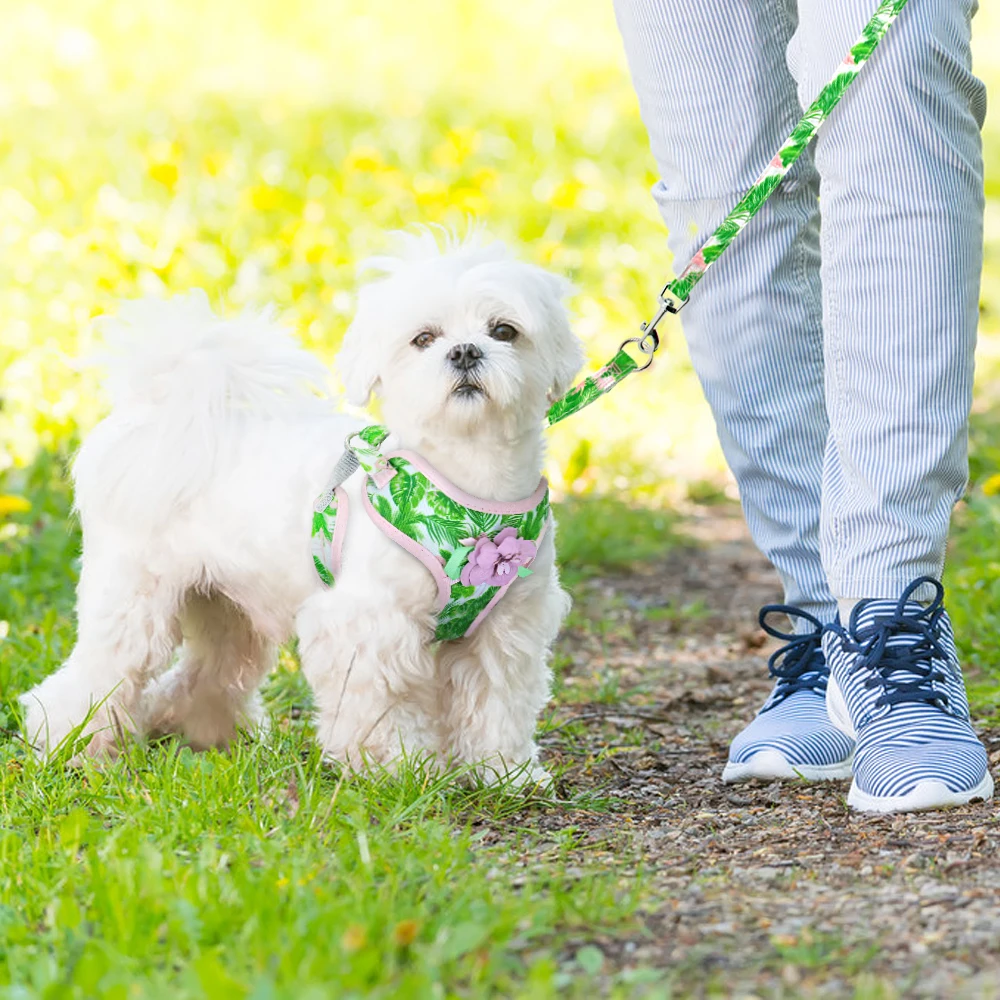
(339, 531)
(433, 562)
(467, 499)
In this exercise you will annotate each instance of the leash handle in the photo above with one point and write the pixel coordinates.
(675, 293)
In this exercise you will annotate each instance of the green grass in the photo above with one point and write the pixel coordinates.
(972, 576)
(263, 873)
(606, 534)
(259, 873)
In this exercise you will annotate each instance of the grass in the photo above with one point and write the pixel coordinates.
(973, 573)
(606, 534)
(260, 873)
(263, 873)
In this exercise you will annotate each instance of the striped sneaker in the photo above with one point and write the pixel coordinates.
(792, 736)
(897, 688)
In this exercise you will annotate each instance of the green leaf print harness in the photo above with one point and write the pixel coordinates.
(475, 549)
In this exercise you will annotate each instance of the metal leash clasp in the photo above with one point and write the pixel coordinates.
(650, 339)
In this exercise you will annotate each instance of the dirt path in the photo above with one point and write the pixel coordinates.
(761, 889)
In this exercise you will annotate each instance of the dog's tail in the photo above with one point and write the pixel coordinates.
(185, 385)
(178, 353)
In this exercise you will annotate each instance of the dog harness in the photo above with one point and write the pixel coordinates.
(475, 549)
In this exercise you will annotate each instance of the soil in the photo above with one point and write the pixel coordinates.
(757, 889)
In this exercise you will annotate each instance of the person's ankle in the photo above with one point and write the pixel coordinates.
(845, 605)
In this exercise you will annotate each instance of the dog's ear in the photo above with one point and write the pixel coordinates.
(563, 347)
(358, 359)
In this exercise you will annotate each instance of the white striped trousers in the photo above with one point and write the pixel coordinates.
(837, 358)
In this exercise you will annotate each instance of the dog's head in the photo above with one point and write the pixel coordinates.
(457, 336)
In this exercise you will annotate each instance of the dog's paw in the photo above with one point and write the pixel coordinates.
(202, 719)
(54, 723)
(47, 723)
(531, 780)
(528, 777)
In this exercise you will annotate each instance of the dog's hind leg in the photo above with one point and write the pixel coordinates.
(211, 691)
(127, 630)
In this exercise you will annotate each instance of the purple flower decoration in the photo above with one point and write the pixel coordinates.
(496, 562)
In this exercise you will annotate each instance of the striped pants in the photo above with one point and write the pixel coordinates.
(837, 358)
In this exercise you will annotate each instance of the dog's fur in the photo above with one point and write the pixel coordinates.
(195, 496)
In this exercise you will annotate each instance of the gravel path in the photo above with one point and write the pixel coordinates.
(758, 889)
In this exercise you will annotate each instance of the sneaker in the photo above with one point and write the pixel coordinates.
(792, 736)
(896, 687)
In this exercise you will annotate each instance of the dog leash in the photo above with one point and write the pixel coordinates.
(675, 293)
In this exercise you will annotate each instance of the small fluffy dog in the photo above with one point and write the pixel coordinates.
(196, 497)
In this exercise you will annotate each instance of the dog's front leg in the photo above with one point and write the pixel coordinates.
(498, 681)
(373, 676)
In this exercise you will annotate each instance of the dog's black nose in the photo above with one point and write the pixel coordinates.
(465, 356)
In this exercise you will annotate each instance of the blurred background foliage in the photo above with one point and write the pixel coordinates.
(262, 149)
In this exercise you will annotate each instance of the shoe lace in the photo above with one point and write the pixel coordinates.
(799, 664)
(905, 672)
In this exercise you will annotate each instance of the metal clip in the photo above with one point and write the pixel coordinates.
(650, 339)
(671, 300)
(648, 343)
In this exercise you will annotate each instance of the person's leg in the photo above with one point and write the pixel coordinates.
(717, 99)
(902, 198)
(902, 193)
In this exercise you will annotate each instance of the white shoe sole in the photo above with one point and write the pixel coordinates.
(925, 795)
(771, 765)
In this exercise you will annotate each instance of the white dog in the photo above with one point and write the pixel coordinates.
(196, 498)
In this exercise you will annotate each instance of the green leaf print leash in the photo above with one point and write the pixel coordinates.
(675, 293)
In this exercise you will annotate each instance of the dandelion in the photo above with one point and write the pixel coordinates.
(405, 933)
(10, 504)
(354, 938)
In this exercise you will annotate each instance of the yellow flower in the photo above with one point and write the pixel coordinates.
(265, 198)
(565, 195)
(458, 145)
(165, 173)
(10, 504)
(214, 163)
(364, 158)
(405, 932)
(162, 159)
(991, 487)
(354, 939)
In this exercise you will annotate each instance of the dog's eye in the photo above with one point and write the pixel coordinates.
(424, 339)
(503, 331)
